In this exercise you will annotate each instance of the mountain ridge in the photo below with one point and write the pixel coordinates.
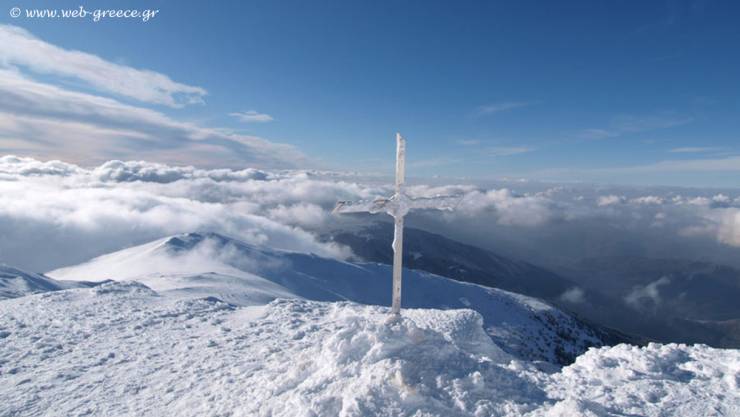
(200, 264)
(15, 283)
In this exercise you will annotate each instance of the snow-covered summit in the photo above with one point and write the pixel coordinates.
(123, 349)
(209, 264)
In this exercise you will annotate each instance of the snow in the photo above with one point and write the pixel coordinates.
(670, 380)
(17, 283)
(124, 349)
(196, 264)
(206, 325)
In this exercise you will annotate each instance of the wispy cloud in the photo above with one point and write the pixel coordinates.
(731, 163)
(252, 116)
(435, 162)
(648, 296)
(501, 107)
(21, 48)
(468, 142)
(483, 149)
(708, 165)
(625, 124)
(629, 123)
(690, 149)
(507, 150)
(598, 134)
(52, 122)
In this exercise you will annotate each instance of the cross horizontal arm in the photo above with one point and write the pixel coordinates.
(363, 206)
(439, 202)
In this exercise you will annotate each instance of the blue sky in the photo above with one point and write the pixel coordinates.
(619, 92)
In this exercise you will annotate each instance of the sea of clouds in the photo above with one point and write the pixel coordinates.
(54, 214)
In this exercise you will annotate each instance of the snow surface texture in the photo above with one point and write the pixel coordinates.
(196, 264)
(123, 349)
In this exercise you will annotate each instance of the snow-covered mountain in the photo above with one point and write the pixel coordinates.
(215, 326)
(446, 257)
(124, 349)
(202, 265)
(443, 256)
(17, 283)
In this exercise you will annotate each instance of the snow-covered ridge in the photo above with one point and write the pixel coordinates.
(209, 264)
(17, 283)
(124, 349)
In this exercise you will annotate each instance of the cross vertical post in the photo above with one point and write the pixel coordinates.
(398, 206)
(398, 226)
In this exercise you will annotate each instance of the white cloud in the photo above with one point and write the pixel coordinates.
(609, 200)
(597, 134)
(695, 149)
(726, 164)
(647, 297)
(705, 167)
(648, 200)
(21, 48)
(501, 107)
(69, 214)
(19, 167)
(727, 225)
(508, 150)
(252, 116)
(130, 171)
(468, 142)
(54, 123)
(301, 214)
(625, 124)
(509, 208)
(632, 124)
(433, 162)
(573, 295)
(692, 165)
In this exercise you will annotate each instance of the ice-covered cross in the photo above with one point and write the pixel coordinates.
(398, 206)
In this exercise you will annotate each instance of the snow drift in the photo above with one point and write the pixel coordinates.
(124, 349)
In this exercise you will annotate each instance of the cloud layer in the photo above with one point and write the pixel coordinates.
(54, 213)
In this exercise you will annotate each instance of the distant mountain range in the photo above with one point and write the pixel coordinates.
(440, 255)
(692, 301)
(631, 299)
